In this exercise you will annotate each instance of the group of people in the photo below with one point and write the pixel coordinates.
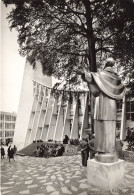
(49, 151)
(11, 152)
(66, 140)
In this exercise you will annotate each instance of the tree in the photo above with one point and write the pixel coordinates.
(65, 35)
(69, 34)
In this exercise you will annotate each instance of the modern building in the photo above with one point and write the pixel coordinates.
(26, 101)
(129, 116)
(47, 115)
(7, 126)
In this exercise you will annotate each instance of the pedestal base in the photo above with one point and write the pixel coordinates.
(106, 158)
(105, 175)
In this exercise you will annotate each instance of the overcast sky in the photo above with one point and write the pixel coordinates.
(12, 66)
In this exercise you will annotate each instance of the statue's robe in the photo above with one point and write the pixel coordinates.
(108, 88)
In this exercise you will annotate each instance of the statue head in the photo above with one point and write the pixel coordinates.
(109, 62)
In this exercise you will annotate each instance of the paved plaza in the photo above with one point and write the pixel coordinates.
(55, 176)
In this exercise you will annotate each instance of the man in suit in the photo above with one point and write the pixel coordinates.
(84, 151)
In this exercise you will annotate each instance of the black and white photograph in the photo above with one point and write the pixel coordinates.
(67, 97)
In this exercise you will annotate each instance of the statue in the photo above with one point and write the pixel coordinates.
(107, 88)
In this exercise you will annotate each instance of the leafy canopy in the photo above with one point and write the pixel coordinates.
(65, 35)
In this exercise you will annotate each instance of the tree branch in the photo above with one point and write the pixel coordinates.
(104, 49)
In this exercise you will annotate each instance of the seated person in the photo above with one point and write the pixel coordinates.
(66, 139)
(37, 152)
(60, 150)
(46, 151)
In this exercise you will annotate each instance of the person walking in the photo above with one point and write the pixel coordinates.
(2, 152)
(10, 153)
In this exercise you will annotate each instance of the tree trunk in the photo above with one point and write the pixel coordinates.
(91, 52)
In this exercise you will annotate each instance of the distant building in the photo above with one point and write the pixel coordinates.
(7, 127)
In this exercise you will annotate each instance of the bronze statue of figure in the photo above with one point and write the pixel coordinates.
(107, 88)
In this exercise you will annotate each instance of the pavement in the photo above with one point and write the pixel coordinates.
(55, 176)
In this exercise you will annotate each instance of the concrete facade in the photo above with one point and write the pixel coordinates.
(52, 118)
(26, 101)
(7, 126)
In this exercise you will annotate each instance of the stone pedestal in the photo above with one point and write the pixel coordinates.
(106, 157)
(105, 175)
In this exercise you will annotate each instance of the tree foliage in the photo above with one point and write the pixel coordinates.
(65, 35)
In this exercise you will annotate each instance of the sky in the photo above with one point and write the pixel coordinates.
(12, 65)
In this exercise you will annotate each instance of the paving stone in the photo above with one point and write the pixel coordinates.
(5, 192)
(37, 194)
(50, 188)
(32, 186)
(28, 178)
(27, 171)
(115, 193)
(83, 193)
(95, 189)
(15, 176)
(83, 180)
(74, 188)
(43, 177)
(61, 178)
(24, 192)
(65, 190)
(55, 193)
(61, 184)
(67, 181)
(76, 176)
(5, 188)
(49, 183)
(53, 177)
(9, 183)
(82, 185)
(43, 181)
(72, 176)
(77, 173)
(50, 171)
(28, 182)
(124, 190)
